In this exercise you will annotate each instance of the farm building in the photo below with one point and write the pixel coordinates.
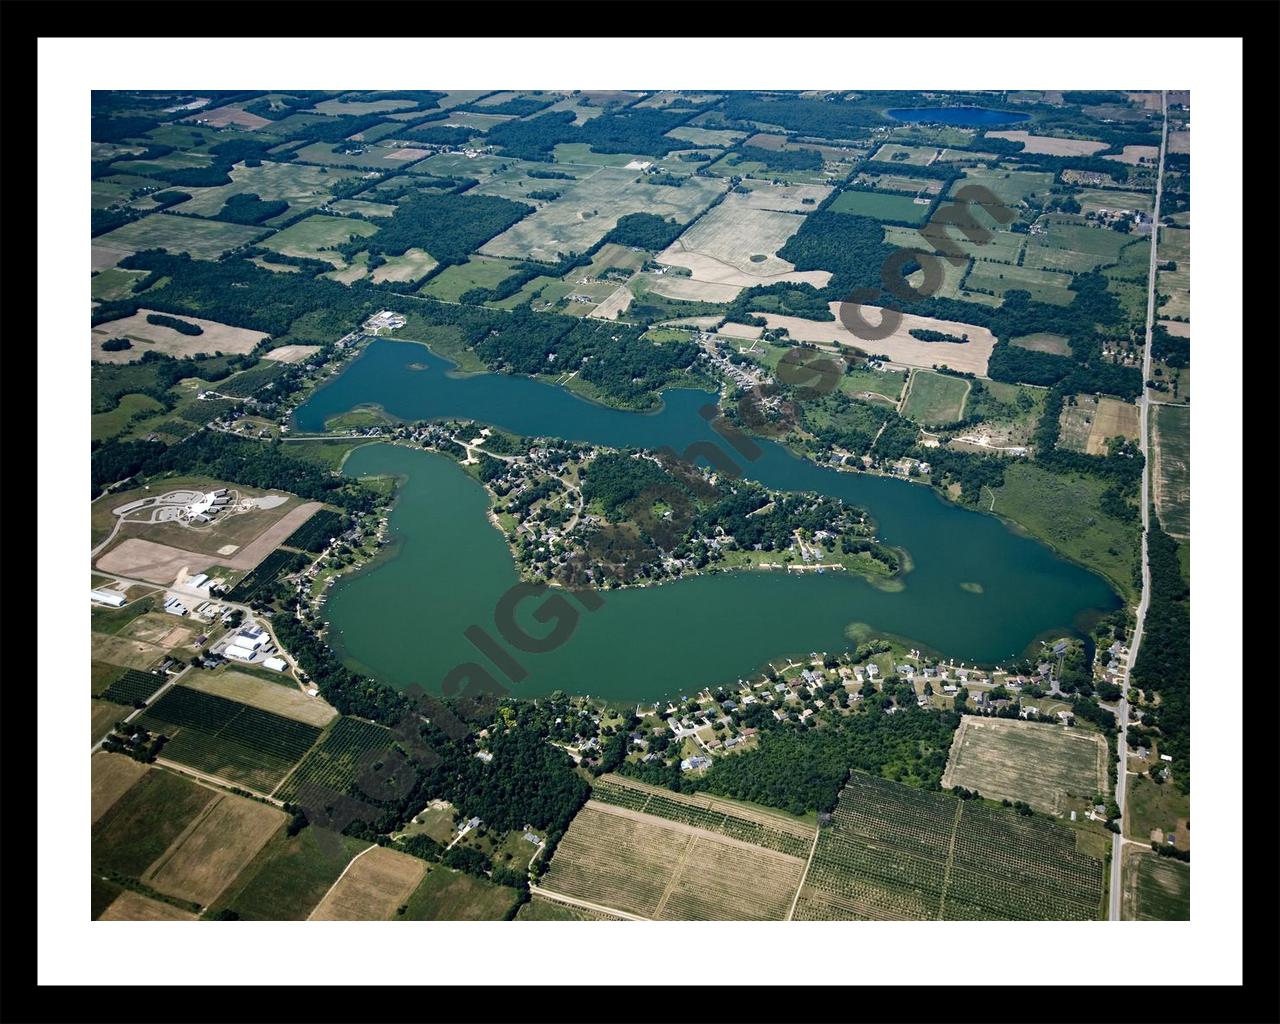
(275, 664)
(239, 653)
(112, 597)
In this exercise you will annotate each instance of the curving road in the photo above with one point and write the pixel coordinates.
(1144, 405)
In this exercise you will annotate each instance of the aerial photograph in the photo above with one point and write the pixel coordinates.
(638, 505)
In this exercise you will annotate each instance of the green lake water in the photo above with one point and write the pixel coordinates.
(403, 618)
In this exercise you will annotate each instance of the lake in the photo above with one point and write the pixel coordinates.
(961, 117)
(402, 619)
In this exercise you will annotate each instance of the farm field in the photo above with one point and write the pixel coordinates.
(310, 238)
(210, 853)
(112, 776)
(374, 157)
(132, 685)
(952, 285)
(373, 885)
(316, 532)
(142, 823)
(303, 187)
(1171, 439)
(1042, 765)
(290, 875)
(1002, 247)
(734, 237)
(895, 153)
(1010, 187)
(411, 266)
(203, 239)
(1050, 144)
(1071, 245)
(285, 700)
(1092, 200)
(1055, 344)
(362, 206)
(334, 763)
(1114, 418)
(934, 398)
(1175, 245)
(114, 283)
(900, 346)
(262, 576)
(881, 206)
(540, 908)
(772, 830)
(478, 272)
(1044, 285)
(589, 209)
(133, 906)
(148, 337)
(691, 289)
(1156, 888)
(102, 716)
(895, 853)
(291, 353)
(783, 198)
(226, 738)
(449, 895)
(667, 870)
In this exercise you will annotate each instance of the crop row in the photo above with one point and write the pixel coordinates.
(262, 731)
(227, 759)
(133, 686)
(316, 532)
(335, 762)
(262, 577)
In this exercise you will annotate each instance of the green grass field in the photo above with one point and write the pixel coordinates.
(308, 238)
(1151, 805)
(290, 875)
(114, 283)
(106, 425)
(878, 382)
(935, 398)
(449, 895)
(1158, 890)
(1172, 431)
(1063, 511)
(549, 910)
(1010, 187)
(1044, 285)
(881, 206)
(1071, 244)
(203, 239)
(142, 823)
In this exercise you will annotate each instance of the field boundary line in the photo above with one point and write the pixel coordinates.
(341, 877)
(675, 878)
(906, 390)
(574, 901)
(158, 864)
(679, 826)
(804, 875)
(951, 859)
(215, 782)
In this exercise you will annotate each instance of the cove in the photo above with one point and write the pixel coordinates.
(402, 619)
(962, 117)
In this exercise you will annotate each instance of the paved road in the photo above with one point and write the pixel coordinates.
(1144, 403)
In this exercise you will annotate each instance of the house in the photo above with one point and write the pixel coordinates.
(873, 670)
(1066, 717)
(484, 756)
(1165, 757)
(950, 688)
(1029, 712)
(694, 763)
(1060, 647)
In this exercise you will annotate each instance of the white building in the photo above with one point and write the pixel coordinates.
(275, 664)
(237, 653)
(112, 597)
